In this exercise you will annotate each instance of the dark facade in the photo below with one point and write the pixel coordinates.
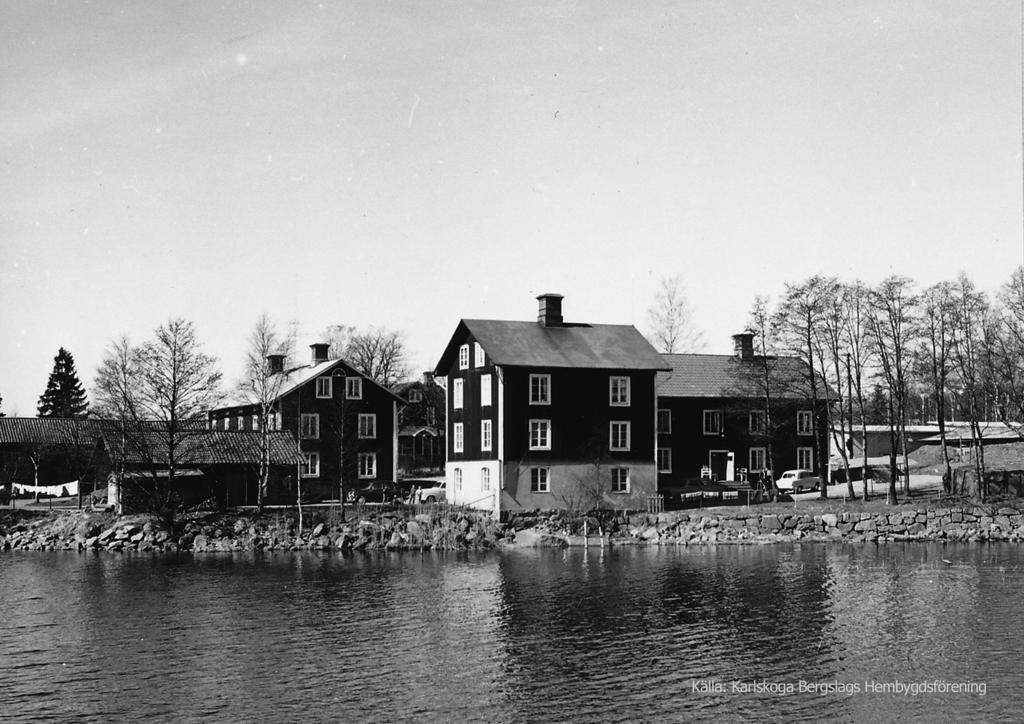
(713, 418)
(549, 414)
(346, 425)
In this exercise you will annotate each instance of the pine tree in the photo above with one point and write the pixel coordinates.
(64, 396)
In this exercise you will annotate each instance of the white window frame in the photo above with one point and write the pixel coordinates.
(478, 353)
(543, 434)
(664, 455)
(486, 394)
(310, 465)
(544, 381)
(415, 395)
(485, 479)
(458, 437)
(464, 357)
(710, 415)
(667, 428)
(540, 480)
(313, 420)
(620, 485)
(370, 421)
(458, 393)
(809, 453)
(757, 422)
(622, 425)
(353, 388)
(618, 391)
(804, 422)
(367, 472)
(431, 415)
(486, 435)
(457, 478)
(256, 421)
(324, 387)
(760, 452)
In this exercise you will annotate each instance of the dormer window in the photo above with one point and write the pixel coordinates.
(415, 396)
(464, 357)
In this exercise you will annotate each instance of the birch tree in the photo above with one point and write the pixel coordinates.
(933, 354)
(671, 328)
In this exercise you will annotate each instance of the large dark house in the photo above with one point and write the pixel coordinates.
(421, 427)
(549, 414)
(730, 416)
(346, 424)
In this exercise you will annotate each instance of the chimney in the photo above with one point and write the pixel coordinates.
(743, 345)
(549, 313)
(275, 363)
(319, 353)
(428, 377)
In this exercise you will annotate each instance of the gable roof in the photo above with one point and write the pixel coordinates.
(299, 376)
(528, 344)
(710, 375)
(206, 447)
(49, 430)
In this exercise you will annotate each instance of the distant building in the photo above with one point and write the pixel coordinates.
(346, 424)
(549, 414)
(421, 425)
(712, 415)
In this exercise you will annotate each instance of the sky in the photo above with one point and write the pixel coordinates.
(407, 164)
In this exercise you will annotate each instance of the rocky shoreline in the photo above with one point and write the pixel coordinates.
(448, 531)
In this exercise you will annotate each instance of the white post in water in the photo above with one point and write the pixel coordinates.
(586, 530)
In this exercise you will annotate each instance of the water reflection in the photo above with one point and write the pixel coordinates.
(596, 634)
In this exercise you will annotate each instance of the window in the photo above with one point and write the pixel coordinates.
(458, 392)
(457, 441)
(620, 480)
(309, 427)
(712, 422)
(485, 478)
(664, 460)
(618, 391)
(324, 388)
(464, 357)
(415, 396)
(665, 421)
(255, 421)
(805, 458)
(485, 435)
(804, 423)
(539, 480)
(540, 389)
(618, 436)
(275, 421)
(367, 465)
(478, 353)
(457, 478)
(368, 426)
(758, 459)
(757, 424)
(485, 390)
(431, 416)
(354, 388)
(540, 434)
(310, 465)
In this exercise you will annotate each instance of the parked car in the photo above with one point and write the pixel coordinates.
(376, 491)
(432, 492)
(797, 481)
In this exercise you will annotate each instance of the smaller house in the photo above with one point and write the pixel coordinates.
(421, 427)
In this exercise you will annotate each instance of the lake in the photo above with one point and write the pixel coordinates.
(795, 632)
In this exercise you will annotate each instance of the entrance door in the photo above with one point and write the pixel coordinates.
(719, 461)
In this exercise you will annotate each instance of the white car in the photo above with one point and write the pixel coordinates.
(434, 494)
(797, 481)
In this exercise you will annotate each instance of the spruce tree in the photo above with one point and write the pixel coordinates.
(64, 396)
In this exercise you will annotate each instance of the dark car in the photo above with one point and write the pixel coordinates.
(377, 491)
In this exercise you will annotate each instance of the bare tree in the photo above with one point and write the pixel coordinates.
(894, 306)
(157, 394)
(262, 383)
(670, 319)
(858, 359)
(762, 378)
(833, 338)
(379, 354)
(933, 358)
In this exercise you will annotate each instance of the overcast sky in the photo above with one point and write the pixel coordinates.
(411, 163)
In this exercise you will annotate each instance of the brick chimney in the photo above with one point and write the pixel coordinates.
(275, 363)
(743, 345)
(428, 377)
(319, 353)
(549, 313)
